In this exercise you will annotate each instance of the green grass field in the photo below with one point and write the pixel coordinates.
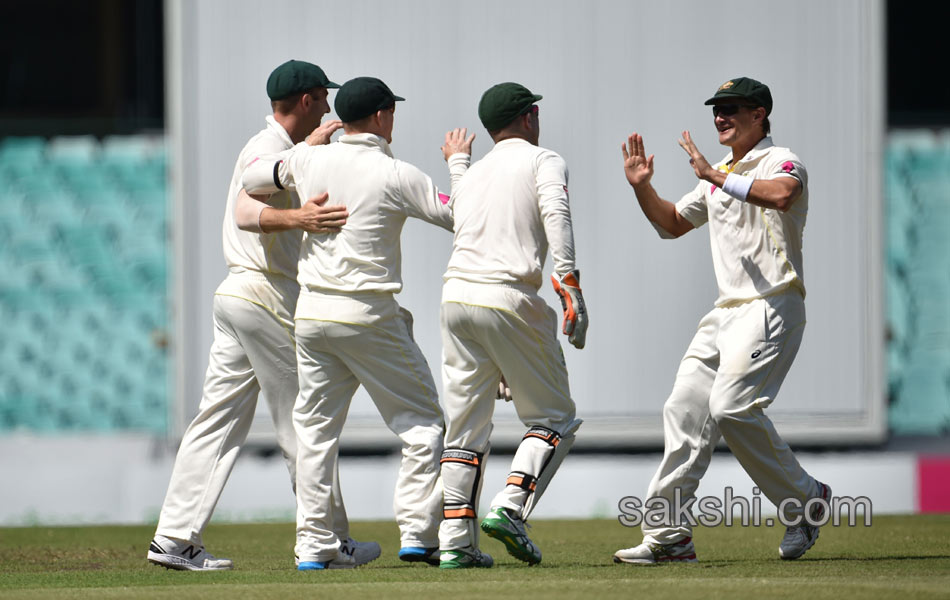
(896, 557)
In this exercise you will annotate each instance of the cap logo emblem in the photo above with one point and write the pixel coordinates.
(726, 86)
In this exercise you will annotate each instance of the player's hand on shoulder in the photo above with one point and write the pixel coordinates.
(457, 141)
(321, 135)
(316, 217)
(637, 166)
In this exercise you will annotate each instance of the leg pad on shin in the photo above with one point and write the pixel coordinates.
(540, 454)
(461, 480)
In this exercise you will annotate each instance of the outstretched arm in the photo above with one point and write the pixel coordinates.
(779, 193)
(638, 168)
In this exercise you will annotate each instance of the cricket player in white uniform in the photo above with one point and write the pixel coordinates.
(755, 201)
(350, 329)
(253, 349)
(510, 208)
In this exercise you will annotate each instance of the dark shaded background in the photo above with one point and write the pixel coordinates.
(97, 66)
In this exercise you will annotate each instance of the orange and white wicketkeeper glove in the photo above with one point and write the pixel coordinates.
(575, 311)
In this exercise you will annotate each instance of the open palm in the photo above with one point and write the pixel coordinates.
(637, 166)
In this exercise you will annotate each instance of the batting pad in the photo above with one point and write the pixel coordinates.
(461, 482)
(542, 453)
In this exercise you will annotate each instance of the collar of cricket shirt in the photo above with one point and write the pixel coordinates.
(273, 124)
(370, 140)
(755, 153)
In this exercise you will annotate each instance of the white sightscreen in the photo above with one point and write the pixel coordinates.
(605, 69)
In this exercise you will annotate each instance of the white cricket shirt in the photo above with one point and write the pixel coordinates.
(270, 253)
(509, 207)
(756, 251)
(380, 193)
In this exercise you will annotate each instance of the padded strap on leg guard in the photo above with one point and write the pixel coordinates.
(553, 459)
(532, 456)
(461, 482)
(523, 480)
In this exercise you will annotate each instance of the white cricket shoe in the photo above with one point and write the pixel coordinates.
(649, 553)
(799, 539)
(360, 552)
(184, 556)
(342, 561)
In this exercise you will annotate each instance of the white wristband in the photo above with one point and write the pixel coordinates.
(737, 186)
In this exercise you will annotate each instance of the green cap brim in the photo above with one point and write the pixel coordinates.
(330, 85)
(723, 96)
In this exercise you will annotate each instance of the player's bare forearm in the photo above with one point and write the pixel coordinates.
(779, 194)
(312, 217)
(277, 219)
(659, 211)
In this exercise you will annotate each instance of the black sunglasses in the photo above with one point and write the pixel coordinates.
(727, 110)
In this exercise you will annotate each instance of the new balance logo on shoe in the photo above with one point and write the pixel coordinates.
(184, 556)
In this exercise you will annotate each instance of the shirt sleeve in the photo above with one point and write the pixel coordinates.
(458, 165)
(270, 173)
(420, 198)
(693, 207)
(554, 202)
(786, 164)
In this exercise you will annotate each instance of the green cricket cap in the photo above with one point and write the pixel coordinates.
(295, 76)
(362, 96)
(749, 89)
(501, 103)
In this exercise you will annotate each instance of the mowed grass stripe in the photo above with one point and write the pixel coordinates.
(905, 556)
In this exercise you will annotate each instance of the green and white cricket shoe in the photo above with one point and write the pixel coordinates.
(465, 558)
(510, 531)
(184, 556)
(649, 553)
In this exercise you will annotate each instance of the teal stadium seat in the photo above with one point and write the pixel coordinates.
(83, 293)
(922, 406)
(22, 149)
(917, 188)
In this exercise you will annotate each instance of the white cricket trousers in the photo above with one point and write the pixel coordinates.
(366, 339)
(490, 330)
(253, 351)
(731, 372)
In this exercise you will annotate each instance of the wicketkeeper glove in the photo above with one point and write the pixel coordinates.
(575, 311)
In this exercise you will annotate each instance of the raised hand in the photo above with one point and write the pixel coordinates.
(321, 135)
(456, 141)
(637, 166)
(699, 163)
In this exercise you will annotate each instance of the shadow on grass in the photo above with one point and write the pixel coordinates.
(868, 558)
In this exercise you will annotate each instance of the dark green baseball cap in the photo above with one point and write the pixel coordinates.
(296, 76)
(501, 103)
(754, 91)
(362, 96)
